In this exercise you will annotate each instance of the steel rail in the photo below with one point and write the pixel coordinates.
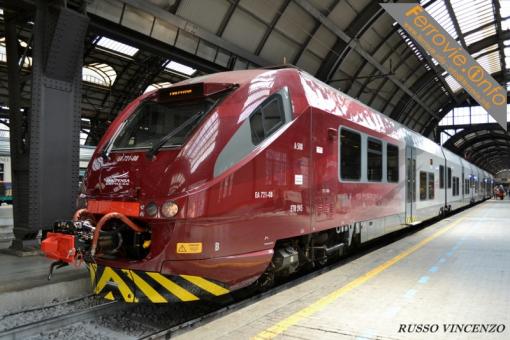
(52, 323)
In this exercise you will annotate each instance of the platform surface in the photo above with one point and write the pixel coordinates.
(455, 272)
(19, 273)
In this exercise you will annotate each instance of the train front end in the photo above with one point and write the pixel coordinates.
(134, 199)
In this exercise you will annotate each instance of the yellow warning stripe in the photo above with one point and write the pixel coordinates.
(206, 285)
(172, 287)
(109, 296)
(92, 272)
(150, 292)
(110, 275)
(320, 304)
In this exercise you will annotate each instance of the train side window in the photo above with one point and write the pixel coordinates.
(267, 119)
(350, 155)
(423, 186)
(455, 191)
(392, 163)
(441, 177)
(466, 186)
(374, 159)
(431, 185)
(449, 178)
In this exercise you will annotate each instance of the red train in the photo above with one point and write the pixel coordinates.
(236, 178)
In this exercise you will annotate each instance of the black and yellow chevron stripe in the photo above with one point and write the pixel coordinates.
(136, 286)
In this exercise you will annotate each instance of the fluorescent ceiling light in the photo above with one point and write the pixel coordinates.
(117, 46)
(175, 66)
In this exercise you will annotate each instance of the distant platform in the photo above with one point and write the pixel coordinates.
(6, 223)
(24, 282)
(454, 274)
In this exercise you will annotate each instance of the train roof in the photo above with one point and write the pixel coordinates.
(371, 118)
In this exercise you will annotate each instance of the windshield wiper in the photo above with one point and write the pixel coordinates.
(155, 148)
(105, 153)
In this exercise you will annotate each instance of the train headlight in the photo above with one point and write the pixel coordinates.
(169, 209)
(151, 209)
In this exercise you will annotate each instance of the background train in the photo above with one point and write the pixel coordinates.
(5, 165)
(237, 178)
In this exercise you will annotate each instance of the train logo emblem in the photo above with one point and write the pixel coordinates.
(118, 179)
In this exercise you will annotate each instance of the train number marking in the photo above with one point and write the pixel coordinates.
(264, 194)
(128, 158)
(319, 149)
(298, 179)
(189, 248)
(298, 146)
(296, 208)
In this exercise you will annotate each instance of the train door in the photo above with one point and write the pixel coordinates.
(410, 184)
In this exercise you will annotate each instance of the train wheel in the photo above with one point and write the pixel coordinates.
(267, 279)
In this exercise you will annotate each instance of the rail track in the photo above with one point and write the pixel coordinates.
(55, 322)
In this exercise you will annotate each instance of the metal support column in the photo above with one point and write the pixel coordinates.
(54, 121)
(19, 152)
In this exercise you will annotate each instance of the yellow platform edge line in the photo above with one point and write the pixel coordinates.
(146, 288)
(172, 287)
(320, 304)
(206, 285)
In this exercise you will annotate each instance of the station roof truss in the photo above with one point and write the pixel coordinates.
(353, 45)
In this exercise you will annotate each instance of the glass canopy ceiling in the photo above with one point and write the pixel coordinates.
(469, 22)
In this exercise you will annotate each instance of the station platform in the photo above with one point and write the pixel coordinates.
(24, 282)
(454, 274)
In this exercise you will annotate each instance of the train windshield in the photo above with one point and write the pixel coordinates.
(166, 123)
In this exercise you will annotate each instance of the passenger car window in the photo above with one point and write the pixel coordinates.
(431, 186)
(374, 160)
(350, 155)
(423, 185)
(392, 163)
(266, 120)
(449, 178)
(441, 177)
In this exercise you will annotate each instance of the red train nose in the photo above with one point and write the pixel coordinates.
(59, 246)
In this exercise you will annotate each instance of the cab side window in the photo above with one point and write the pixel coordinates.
(267, 119)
